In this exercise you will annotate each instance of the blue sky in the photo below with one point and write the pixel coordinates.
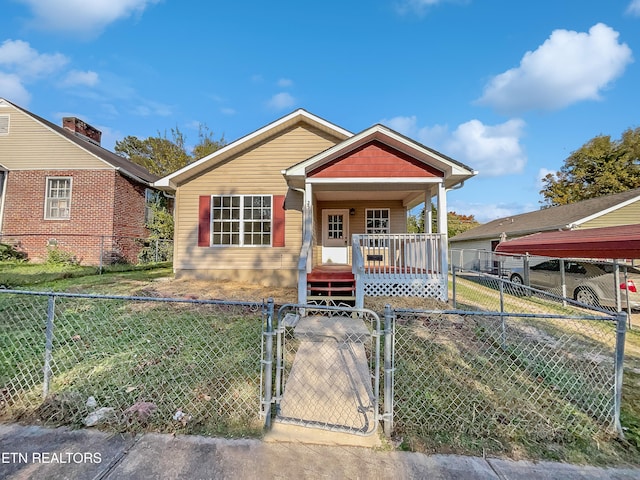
(509, 88)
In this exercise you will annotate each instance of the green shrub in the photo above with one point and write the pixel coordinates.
(56, 256)
(11, 252)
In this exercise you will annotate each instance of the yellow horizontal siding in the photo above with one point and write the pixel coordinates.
(32, 146)
(628, 215)
(255, 171)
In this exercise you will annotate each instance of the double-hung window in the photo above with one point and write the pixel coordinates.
(241, 220)
(58, 198)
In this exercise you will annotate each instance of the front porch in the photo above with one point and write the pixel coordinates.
(404, 265)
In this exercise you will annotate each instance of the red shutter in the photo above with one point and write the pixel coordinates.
(278, 220)
(204, 221)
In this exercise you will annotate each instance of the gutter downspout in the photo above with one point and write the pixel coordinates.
(3, 188)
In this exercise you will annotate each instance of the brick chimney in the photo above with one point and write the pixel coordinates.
(82, 129)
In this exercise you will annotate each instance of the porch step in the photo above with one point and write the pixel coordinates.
(330, 286)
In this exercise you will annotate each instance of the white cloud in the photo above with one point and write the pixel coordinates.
(227, 111)
(81, 16)
(567, 68)
(492, 150)
(285, 83)
(76, 78)
(13, 90)
(18, 57)
(634, 8)
(281, 101)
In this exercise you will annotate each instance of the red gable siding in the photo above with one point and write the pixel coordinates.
(375, 160)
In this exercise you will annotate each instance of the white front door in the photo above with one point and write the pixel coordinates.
(335, 236)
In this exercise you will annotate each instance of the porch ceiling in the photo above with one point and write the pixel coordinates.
(410, 195)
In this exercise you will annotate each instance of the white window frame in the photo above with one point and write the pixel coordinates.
(8, 121)
(376, 230)
(48, 199)
(240, 220)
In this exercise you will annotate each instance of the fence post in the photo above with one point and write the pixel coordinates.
(453, 286)
(101, 253)
(389, 341)
(268, 363)
(621, 331)
(502, 321)
(51, 305)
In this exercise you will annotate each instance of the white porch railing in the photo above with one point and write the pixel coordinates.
(402, 265)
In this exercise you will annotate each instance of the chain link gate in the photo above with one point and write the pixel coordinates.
(324, 369)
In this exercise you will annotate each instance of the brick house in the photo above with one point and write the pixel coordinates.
(60, 189)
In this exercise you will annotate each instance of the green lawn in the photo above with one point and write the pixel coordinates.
(25, 274)
(206, 362)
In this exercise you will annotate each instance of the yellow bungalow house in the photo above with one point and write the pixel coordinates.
(304, 202)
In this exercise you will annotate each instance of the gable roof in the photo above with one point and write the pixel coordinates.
(199, 166)
(562, 217)
(121, 164)
(454, 171)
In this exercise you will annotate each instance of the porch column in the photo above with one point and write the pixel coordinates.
(442, 208)
(308, 221)
(428, 212)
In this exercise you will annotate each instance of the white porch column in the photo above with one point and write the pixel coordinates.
(309, 221)
(428, 212)
(442, 208)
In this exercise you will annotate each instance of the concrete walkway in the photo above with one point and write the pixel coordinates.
(329, 385)
(40, 453)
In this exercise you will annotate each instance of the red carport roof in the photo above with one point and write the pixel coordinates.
(621, 242)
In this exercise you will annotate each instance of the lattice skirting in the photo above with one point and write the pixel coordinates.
(419, 287)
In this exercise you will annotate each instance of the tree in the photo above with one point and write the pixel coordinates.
(600, 167)
(456, 223)
(206, 144)
(162, 155)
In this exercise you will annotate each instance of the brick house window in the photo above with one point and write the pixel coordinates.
(58, 198)
(151, 198)
(241, 220)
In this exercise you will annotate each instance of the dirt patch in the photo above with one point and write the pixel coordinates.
(219, 290)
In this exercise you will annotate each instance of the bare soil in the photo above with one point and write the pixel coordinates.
(220, 290)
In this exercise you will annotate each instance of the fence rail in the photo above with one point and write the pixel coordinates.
(611, 285)
(95, 250)
(520, 366)
(189, 366)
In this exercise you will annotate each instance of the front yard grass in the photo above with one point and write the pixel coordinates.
(24, 274)
(123, 353)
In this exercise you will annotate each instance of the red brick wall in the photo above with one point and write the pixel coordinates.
(103, 203)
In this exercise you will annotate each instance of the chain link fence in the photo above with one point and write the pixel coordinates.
(97, 250)
(328, 368)
(508, 365)
(478, 380)
(187, 366)
(612, 286)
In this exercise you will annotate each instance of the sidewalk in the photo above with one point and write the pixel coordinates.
(33, 452)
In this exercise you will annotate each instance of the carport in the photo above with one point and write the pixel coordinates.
(622, 242)
(614, 243)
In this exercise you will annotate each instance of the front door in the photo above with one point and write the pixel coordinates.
(335, 236)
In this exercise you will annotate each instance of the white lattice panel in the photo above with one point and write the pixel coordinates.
(425, 288)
